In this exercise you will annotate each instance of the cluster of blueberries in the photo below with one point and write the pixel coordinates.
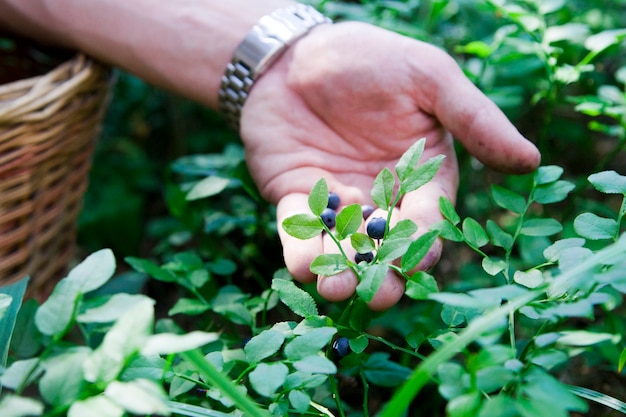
(375, 227)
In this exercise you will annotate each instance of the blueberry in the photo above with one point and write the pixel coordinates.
(376, 228)
(364, 257)
(367, 211)
(328, 217)
(342, 347)
(333, 201)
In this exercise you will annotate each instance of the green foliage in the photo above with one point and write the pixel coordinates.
(529, 292)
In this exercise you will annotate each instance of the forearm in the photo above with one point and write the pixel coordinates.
(180, 45)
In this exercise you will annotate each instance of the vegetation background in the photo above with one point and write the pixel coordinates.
(558, 70)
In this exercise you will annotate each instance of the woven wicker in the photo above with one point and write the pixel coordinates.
(48, 127)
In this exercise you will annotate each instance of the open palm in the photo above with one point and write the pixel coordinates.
(346, 101)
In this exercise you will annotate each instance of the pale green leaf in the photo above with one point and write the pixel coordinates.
(586, 338)
(207, 187)
(318, 197)
(298, 300)
(420, 286)
(263, 345)
(422, 174)
(328, 264)
(529, 279)
(508, 199)
(140, 396)
(98, 406)
(168, 343)
(602, 40)
(315, 364)
(309, 343)
(62, 382)
(348, 221)
(608, 182)
(55, 315)
(126, 337)
(266, 379)
(299, 400)
(540, 227)
(594, 227)
(371, 280)
(303, 226)
(553, 192)
(553, 252)
(493, 266)
(15, 406)
(418, 249)
(112, 309)
(94, 271)
(409, 159)
(382, 190)
(188, 306)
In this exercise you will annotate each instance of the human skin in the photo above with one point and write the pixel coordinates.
(343, 102)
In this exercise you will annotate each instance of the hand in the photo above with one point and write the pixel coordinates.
(349, 99)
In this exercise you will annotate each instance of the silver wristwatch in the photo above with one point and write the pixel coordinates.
(267, 40)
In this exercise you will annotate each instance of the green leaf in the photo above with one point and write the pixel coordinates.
(20, 374)
(348, 221)
(328, 264)
(298, 300)
(392, 249)
(55, 315)
(26, 339)
(586, 338)
(94, 271)
(493, 266)
(188, 306)
(420, 286)
(508, 199)
(315, 364)
(151, 269)
(539, 385)
(404, 228)
(381, 371)
(622, 361)
(447, 209)
(448, 231)
(608, 182)
(16, 406)
(318, 197)
(266, 379)
(422, 174)
(554, 251)
(540, 227)
(303, 226)
(553, 192)
(263, 345)
(299, 400)
(418, 249)
(409, 159)
(125, 338)
(309, 343)
(111, 310)
(382, 190)
(362, 243)
(372, 278)
(207, 187)
(497, 236)
(547, 174)
(593, 227)
(63, 380)
(140, 396)
(10, 302)
(98, 406)
(359, 344)
(529, 279)
(602, 40)
(168, 343)
(474, 233)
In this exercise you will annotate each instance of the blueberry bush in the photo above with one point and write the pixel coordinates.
(181, 305)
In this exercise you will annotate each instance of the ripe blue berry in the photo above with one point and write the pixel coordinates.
(376, 228)
(328, 217)
(364, 257)
(367, 211)
(333, 201)
(342, 347)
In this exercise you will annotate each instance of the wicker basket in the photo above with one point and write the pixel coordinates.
(48, 127)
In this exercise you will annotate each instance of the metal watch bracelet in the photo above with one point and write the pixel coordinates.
(267, 40)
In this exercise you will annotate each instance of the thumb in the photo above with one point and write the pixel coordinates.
(478, 123)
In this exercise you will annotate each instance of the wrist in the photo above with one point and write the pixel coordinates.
(268, 39)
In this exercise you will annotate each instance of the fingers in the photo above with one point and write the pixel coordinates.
(474, 119)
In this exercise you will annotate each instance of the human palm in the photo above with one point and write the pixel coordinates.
(346, 101)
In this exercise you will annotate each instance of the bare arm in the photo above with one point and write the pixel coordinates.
(182, 46)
